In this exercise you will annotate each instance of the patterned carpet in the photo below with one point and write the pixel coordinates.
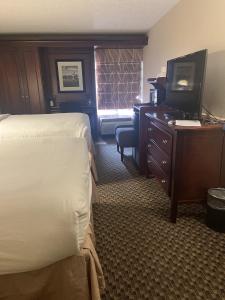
(143, 255)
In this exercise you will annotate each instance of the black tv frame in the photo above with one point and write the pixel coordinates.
(188, 101)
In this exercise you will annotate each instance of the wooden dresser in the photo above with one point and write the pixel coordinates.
(186, 160)
(139, 153)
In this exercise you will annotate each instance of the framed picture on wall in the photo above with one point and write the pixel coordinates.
(70, 76)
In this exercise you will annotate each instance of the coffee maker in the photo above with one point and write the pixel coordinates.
(158, 91)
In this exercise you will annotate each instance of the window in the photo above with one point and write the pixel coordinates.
(118, 78)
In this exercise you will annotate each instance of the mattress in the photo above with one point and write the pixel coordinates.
(44, 125)
(75, 125)
(45, 199)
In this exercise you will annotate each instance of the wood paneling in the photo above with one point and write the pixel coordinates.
(85, 101)
(85, 98)
(34, 88)
(11, 69)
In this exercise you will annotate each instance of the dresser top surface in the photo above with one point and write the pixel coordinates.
(167, 119)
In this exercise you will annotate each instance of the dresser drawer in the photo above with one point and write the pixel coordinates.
(162, 138)
(162, 159)
(155, 170)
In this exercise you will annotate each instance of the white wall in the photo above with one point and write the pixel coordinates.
(190, 26)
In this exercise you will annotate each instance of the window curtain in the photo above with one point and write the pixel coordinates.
(118, 77)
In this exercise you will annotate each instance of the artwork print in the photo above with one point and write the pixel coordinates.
(70, 76)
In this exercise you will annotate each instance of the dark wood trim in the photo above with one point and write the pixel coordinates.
(69, 50)
(78, 40)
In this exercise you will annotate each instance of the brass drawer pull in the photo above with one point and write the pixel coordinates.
(165, 141)
(163, 162)
(163, 181)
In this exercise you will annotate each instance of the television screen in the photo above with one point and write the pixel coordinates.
(185, 78)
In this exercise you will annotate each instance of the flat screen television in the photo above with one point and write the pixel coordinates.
(185, 80)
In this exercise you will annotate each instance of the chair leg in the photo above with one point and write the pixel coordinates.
(122, 151)
(118, 147)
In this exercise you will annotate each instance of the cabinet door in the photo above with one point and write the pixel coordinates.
(20, 81)
(33, 90)
(12, 88)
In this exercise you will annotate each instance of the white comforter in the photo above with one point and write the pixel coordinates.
(45, 195)
(43, 125)
(3, 116)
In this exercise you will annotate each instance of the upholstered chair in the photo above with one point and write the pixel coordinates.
(125, 138)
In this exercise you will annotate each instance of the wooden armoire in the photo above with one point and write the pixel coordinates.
(21, 90)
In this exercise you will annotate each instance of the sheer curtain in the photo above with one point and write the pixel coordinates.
(118, 77)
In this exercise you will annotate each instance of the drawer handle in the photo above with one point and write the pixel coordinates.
(163, 181)
(163, 162)
(149, 161)
(149, 146)
(165, 141)
(149, 129)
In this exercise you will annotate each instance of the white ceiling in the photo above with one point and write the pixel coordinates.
(81, 16)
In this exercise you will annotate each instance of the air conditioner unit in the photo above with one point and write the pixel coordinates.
(108, 125)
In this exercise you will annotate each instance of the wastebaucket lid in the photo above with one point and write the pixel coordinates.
(216, 198)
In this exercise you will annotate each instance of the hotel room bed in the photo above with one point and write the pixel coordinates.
(74, 125)
(46, 242)
(44, 125)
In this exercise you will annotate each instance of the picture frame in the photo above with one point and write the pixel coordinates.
(70, 75)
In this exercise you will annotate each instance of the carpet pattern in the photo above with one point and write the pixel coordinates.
(143, 255)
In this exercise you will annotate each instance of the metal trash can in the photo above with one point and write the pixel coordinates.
(215, 209)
